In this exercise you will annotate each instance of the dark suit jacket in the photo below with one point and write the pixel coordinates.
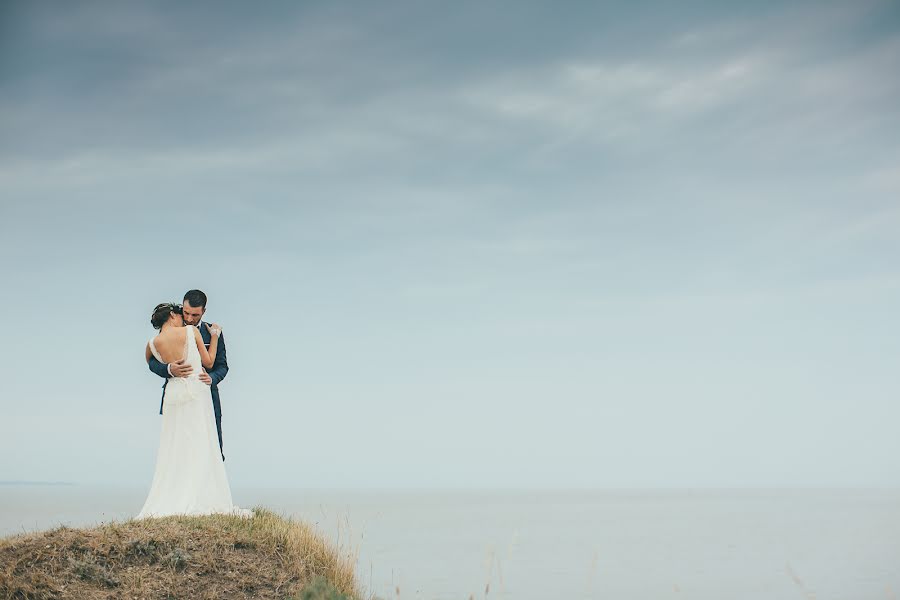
(217, 373)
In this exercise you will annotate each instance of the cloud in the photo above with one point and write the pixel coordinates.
(315, 89)
(774, 100)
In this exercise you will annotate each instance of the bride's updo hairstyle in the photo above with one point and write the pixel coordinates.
(161, 313)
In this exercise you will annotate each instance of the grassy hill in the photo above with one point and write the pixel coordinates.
(218, 556)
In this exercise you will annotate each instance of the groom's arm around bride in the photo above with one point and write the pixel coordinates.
(179, 369)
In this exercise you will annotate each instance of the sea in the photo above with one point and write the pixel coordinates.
(702, 544)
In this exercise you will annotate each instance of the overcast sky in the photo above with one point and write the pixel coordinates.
(458, 244)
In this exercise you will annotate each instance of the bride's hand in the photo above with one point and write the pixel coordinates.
(215, 330)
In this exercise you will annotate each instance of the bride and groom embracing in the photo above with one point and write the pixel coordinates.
(190, 476)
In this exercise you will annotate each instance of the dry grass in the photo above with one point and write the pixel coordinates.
(218, 556)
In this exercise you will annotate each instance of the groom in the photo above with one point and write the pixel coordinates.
(193, 309)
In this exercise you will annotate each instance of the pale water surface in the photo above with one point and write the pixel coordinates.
(700, 544)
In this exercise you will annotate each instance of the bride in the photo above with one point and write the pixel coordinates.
(190, 474)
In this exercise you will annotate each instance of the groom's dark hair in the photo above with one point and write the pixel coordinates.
(195, 298)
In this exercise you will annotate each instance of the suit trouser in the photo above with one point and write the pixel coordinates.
(217, 409)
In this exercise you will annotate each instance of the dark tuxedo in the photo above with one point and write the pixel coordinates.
(217, 374)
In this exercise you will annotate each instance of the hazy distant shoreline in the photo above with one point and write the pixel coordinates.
(37, 483)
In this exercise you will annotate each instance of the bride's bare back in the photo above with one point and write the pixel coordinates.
(172, 343)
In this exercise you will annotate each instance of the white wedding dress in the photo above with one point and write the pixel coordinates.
(190, 474)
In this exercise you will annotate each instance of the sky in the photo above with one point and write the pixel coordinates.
(458, 245)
